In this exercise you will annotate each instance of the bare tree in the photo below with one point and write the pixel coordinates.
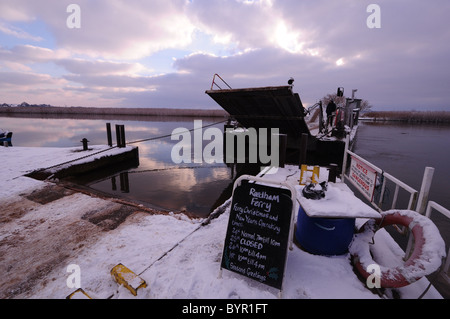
(341, 101)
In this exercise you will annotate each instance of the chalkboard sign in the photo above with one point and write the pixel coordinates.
(258, 232)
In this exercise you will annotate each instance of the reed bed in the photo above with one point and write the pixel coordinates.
(435, 117)
(55, 110)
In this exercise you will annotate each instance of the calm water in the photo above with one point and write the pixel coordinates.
(404, 150)
(157, 182)
(399, 149)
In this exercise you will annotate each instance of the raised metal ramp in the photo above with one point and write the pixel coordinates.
(264, 107)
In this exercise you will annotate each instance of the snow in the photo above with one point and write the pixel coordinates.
(336, 203)
(177, 257)
(427, 260)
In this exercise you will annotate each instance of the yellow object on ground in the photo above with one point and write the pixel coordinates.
(78, 294)
(124, 276)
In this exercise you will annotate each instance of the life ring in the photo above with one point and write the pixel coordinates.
(426, 258)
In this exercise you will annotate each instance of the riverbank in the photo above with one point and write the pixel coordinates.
(177, 256)
(109, 111)
(431, 117)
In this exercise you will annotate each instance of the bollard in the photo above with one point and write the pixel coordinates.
(85, 144)
(332, 173)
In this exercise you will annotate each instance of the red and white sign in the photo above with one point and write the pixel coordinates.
(363, 177)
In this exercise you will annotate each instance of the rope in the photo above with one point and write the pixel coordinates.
(133, 142)
(77, 159)
(168, 135)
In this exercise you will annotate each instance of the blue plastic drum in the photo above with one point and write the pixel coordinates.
(324, 236)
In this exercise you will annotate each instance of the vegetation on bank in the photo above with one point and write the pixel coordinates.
(435, 117)
(55, 110)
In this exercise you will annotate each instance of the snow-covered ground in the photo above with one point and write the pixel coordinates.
(176, 256)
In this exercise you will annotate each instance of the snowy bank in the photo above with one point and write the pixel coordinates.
(178, 257)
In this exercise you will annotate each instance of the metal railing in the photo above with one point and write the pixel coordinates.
(435, 206)
(418, 201)
(382, 178)
(214, 82)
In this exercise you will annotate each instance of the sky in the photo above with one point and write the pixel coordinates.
(164, 53)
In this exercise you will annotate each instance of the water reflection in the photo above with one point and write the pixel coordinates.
(192, 189)
(157, 182)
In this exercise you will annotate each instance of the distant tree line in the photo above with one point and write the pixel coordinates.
(437, 117)
(24, 104)
(75, 110)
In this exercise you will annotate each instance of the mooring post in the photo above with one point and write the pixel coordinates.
(108, 134)
(122, 135)
(118, 135)
(303, 149)
(85, 144)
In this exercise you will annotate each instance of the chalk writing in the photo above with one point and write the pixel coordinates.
(258, 231)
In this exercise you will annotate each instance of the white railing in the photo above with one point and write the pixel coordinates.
(433, 205)
(383, 177)
(418, 201)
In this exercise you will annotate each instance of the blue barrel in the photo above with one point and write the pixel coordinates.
(324, 236)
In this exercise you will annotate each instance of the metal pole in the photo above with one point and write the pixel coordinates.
(425, 190)
(344, 160)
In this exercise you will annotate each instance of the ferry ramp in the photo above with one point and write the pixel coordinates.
(265, 107)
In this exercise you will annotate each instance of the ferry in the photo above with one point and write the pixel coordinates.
(331, 220)
(308, 138)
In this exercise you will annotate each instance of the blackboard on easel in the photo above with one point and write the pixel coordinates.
(259, 230)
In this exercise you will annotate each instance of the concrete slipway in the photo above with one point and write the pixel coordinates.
(45, 228)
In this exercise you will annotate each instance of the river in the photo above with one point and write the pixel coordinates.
(402, 150)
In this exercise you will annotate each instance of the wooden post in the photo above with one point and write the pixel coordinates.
(122, 135)
(303, 149)
(118, 135)
(108, 134)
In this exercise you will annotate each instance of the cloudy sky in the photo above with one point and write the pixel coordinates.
(164, 53)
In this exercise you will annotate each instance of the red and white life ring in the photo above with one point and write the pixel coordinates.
(426, 258)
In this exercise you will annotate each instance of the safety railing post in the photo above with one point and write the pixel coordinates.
(425, 190)
(344, 160)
